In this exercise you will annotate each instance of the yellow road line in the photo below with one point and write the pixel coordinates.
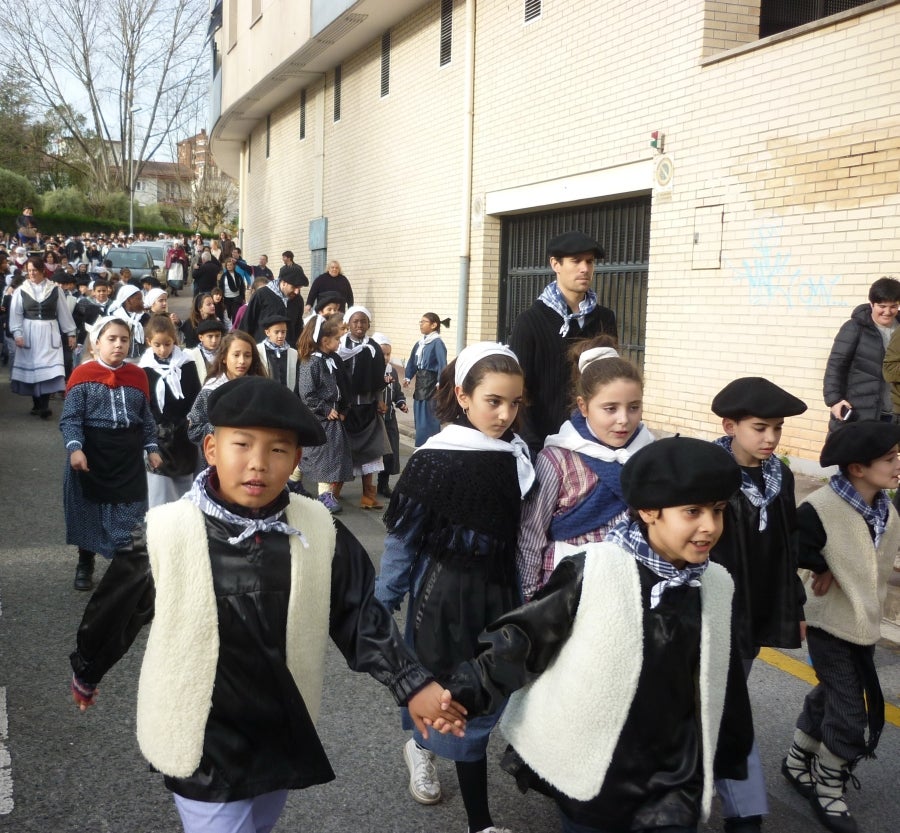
(805, 672)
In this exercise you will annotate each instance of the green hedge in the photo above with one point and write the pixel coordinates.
(68, 224)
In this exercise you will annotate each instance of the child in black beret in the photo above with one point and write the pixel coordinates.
(632, 636)
(244, 582)
(758, 548)
(849, 534)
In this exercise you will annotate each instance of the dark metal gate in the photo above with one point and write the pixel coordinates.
(621, 227)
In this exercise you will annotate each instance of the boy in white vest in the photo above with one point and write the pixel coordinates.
(244, 583)
(278, 357)
(632, 636)
(849, 534)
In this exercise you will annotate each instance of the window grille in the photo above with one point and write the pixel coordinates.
(446, 31)
(385, 63)
(337, 93)
(532, 10)
(779, 15)
(302, 114)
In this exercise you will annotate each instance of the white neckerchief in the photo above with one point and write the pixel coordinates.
(216, 381)
(133, 320)
(169, 374)
(39, 291)
(421, 345)
(461, 438)
(569, 438)
(346, 352)
(329, 360)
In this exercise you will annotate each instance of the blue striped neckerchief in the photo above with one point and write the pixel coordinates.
(771, 472)
(199, 496)
(553, 298)
(876, 516)
(627, 534)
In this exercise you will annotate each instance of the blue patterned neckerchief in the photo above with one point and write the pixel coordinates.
(277, 349)
(875, 516)
(552, 297)
(199, 496)
(771, 472)
(627, 534)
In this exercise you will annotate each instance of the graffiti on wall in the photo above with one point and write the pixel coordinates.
(772, 279)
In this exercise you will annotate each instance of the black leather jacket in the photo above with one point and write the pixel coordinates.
(259, 735)
(654, 778)
(768, 593)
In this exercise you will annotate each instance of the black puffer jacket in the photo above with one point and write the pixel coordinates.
(853, 371)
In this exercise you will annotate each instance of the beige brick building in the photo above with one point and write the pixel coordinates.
(432, 147)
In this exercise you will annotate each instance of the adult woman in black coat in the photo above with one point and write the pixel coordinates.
(854, 379)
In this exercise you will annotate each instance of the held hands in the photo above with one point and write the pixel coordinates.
(78, 461)
(154, 460)
(333, 414)
(403, 407)
(434, 706)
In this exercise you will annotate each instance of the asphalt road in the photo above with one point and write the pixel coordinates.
(64, 771)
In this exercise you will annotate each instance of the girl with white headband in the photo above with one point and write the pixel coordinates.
(580, 497)
(452, 524)
(323, 386)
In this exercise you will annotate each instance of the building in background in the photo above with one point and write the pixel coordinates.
(739, 160)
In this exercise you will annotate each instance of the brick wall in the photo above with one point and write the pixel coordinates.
(797, 141)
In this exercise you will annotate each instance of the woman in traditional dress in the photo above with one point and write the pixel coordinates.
(38, 319)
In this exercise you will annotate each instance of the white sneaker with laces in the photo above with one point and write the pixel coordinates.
(424, 785)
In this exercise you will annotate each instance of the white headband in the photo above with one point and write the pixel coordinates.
(320, 319)
(96, 329)
(153, 296)
(380, 338)
(467, 358)
(353, 310)
(595, 354)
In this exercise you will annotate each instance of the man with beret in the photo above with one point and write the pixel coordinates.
(206, 275)
(848, 537)
(566, 311)
(281, 296)
(635, 631)
(244, 583)
(758, 548)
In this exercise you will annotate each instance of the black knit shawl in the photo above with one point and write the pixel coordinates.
(459, 492)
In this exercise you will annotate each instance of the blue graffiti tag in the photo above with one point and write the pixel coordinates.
(771, 279)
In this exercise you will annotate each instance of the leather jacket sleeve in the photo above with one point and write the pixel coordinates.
(120, 606)
(520, 645)
(361, 626)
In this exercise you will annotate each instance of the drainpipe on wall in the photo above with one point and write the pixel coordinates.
(465, 257)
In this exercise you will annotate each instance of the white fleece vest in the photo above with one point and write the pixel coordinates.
(291, 362)
(566, 724)
(179, 668)
(851, 611)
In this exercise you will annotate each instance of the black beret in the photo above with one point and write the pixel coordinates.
(276, 318)
(211, 325)
(292, 274)
(678, 471)
(574, 243)
(757, 397)
(859, 442)
(258, 402)
(325, 298)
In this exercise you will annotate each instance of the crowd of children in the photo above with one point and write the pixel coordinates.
(611, 567)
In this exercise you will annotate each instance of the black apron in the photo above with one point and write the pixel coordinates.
(116, 459)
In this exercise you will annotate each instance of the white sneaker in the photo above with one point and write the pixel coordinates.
(424, 785)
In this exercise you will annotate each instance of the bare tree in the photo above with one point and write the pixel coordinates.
(119, 64)
(214, 196)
